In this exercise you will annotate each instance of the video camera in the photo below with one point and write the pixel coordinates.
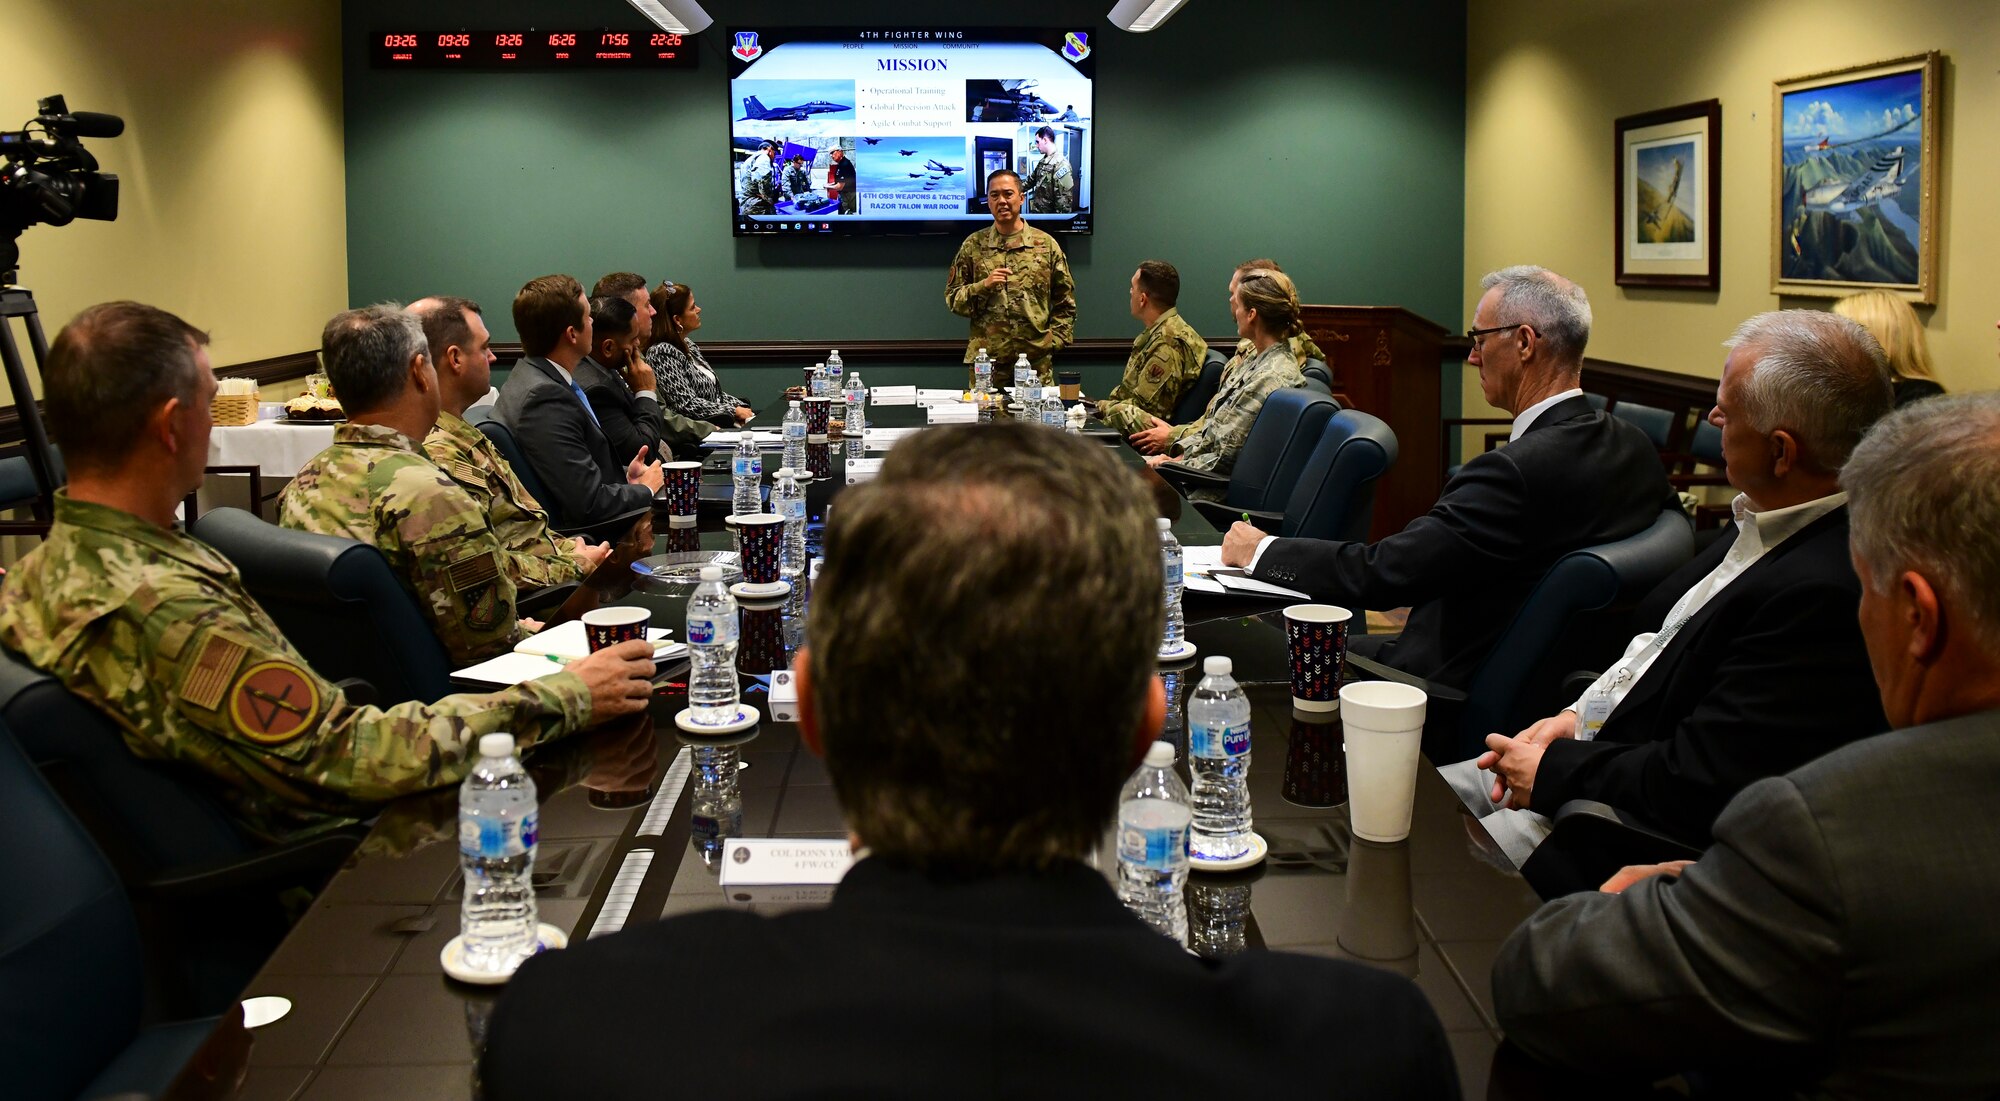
(49, 177)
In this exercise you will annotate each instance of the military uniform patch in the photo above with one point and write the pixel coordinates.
(274, 702)
(1155, 371)
(206, 679)
(466, 474)
(477, 583)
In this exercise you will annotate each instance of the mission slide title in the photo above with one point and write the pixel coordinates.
(911, 64)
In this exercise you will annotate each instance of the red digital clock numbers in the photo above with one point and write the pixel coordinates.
(450, 40)
(666, 40)
(530, 48)
(507, 40)
(562, 40)
(614, 38)
(400, 41)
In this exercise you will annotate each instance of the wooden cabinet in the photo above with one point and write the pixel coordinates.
(1386, 361)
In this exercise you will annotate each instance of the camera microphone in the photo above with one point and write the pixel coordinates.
(87, 124)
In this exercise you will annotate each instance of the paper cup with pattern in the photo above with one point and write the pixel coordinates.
(681, 489)
(611, 626)
(1316, 642)
(757, 537)
(819, 412)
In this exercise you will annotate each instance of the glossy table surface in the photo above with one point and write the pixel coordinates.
(373, 1016)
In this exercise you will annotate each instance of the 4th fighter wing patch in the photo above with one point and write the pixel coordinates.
(273, 702)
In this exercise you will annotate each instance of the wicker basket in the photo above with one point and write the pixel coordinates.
(234, 409)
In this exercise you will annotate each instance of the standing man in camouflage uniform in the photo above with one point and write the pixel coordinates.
(1166, 358)
(1052, 185)
(1267, 311)
(375, 484)
(461, 351)
(757, 182)
(156, 630)
(1156, 437)
(1013, 281)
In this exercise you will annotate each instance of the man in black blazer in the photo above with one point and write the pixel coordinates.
(1837, 940)
(1570, 477)
(631, 417)
(552, 420)
(970, 950)
(1750, 663)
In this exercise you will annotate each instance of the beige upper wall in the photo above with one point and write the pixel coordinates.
(233, 196)
(1546, 79)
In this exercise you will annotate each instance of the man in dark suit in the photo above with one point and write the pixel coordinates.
(629, 411)
(557, 430)
(1569, 477)
(970, 947)
(1749, 663)
(1838, 938)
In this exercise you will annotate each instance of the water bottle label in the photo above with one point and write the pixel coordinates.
(1159, 848)
(497, 838)
(531, 828)
(703, 632)
(706, 828)
(1173, 573)
(1218, 741)
(749, 465)
(795, 430)
(795, 510)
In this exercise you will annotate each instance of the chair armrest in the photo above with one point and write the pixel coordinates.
(1577, 682)
(316, 857)
(543, 600)
(1590, 841)
(359, 692)
(1186, 476)
(1222, 516)
(1375, 670)
(611, 530)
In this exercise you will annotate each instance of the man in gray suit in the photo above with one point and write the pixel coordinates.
(553, 421)
(1839, 938)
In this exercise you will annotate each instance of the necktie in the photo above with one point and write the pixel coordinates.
(578, 391)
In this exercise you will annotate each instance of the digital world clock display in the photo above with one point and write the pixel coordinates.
(531, 48)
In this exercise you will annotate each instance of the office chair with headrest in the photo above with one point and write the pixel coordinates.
(1268, 465)
(338, 603)
(1657, 424)
(1569, 619)
(611, 530)
(71, 970)
(1195, 402)
(1335, 494)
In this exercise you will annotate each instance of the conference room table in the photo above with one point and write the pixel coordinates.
(373, 1016)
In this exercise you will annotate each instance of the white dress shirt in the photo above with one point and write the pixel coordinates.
(1521, 424)
(1757, 533)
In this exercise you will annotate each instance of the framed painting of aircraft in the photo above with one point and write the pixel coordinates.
(1669, 192)
(1855, 182)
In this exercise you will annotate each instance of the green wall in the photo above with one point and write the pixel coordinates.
(1330, 136)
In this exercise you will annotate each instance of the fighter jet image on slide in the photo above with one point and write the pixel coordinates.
(756, 111)
(916, 175)
(1652, 217)
(907, 152)
(946, 169)
(1839, 195)
(1007, 101)
(872, 141)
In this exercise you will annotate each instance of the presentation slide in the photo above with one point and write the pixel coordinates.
(852, 131)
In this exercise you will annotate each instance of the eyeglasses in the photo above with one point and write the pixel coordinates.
(1477, 335)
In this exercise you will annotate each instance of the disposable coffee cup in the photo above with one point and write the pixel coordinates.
(611, 626)
(758, 536)
(1316, 642)
(818, 413)
(1070, 384)
(680, 487)
(1383, 726)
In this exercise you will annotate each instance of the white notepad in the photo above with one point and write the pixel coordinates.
(568, 642)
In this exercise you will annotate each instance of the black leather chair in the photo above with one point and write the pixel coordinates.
(1588, 845)
(71, 970)
(1195, 402)
(1281, 440)
(338, 602)
(1657, 424)
(1574, 617)
(1335, 494)
(1315, 371)
(611, 530)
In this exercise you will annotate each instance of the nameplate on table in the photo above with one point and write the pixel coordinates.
(882, 439)
(927, 395)
(957, 412)
(892, 395)
(861, 470)
(783, 862)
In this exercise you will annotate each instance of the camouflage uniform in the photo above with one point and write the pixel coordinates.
(1211, 443)
(1035, 312)
(757, 186)
(533, 555)
(155, 630)
(1165, 363)
(376, 486)
(1051, 186)
(1302, 347)
(798, 181)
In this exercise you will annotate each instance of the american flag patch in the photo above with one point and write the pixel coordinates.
(468, 474)
(208, 678)
(473, 572)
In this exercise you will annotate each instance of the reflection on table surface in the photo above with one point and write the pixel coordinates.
(634, 813)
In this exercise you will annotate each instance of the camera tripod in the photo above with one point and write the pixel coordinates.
(19, 302)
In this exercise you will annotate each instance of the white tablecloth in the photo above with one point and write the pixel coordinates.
(274, 447)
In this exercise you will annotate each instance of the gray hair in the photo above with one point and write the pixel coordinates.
(1923, 494)
(1556, 308)
(367, 354)
(1819, 376)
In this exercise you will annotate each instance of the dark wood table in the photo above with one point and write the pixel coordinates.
(374, 1017)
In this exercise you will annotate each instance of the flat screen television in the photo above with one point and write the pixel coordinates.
(857, 131)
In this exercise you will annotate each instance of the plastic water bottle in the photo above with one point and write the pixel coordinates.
(1217, 917)
(1153, 817)
(818, 387)
(717, 802)
(712, 631)
(1024, 378)
(789, 501)
(496, 850)
(982, 373)
(1170, 560)
(795, 437)
(1053, 415)
(748, 469)
(834, 367)
(1219, 759)
(855, 397)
